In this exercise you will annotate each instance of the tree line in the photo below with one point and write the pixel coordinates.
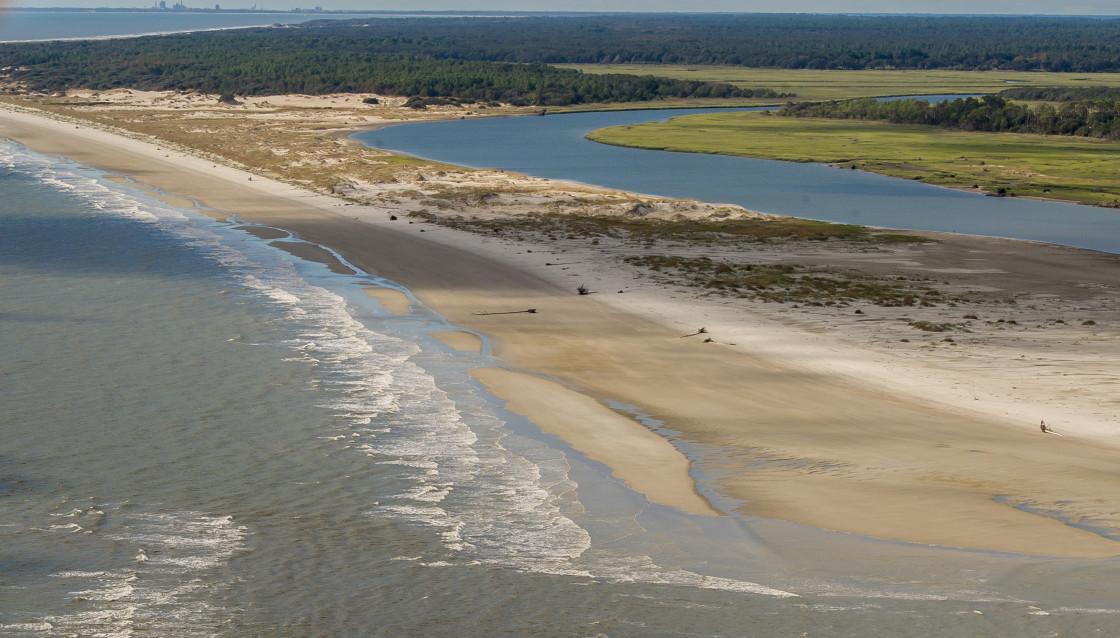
(1023, 43)
(278, 61)
(509, 59)
(992, 113)
(1061, 93)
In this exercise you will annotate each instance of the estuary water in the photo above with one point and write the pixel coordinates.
(203, 435)
(21, 26)
(554, 147)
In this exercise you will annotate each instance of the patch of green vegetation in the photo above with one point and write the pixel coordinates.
(785, 282)
(556, 225)
(931, 326)
(899, 238)
(1073, 169)
(469, 194)
(991, 113)
(1061, 93)
(420, 103)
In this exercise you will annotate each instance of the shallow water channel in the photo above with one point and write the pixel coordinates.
(554, 147)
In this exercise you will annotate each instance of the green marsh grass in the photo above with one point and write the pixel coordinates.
(785, 283)
(815, 85)
(1076, 169)
(782, 229)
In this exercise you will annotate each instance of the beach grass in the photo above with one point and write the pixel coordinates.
(815, 84)
(284, 142)
(313, 158)
(639, 230)
(788, 283)
(1075, 169)
(735, 274)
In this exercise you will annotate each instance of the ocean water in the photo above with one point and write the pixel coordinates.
(29, 24)
(25, 25)
(202, 435)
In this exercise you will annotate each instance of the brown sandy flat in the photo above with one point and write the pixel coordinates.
(640, 458)
(391, 300)
(460, 340)
(317, 254)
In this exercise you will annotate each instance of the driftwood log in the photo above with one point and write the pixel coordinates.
(531, 311)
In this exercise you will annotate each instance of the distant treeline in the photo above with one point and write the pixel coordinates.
(758, 40)
(1062, 93)
(278, 61)
(993, 113)
(507, 59)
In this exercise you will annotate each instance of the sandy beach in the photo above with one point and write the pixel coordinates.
(813, 414)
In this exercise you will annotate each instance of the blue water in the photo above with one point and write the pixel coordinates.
(17, 26)
(203, 435)
(555, 147)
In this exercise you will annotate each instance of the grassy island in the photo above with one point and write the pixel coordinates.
(1082, 170)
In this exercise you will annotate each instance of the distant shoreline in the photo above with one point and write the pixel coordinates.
(327, 12)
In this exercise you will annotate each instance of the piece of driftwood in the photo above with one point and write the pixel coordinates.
(531, 311)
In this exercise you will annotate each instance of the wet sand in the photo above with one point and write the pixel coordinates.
(393, 301)
(460, 340)
(645, 461)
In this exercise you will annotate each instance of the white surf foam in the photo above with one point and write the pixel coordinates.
(166, 594)
(486, 503)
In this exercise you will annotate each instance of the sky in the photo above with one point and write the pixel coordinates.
(1048, 7)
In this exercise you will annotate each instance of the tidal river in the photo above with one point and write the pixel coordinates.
(555, 147)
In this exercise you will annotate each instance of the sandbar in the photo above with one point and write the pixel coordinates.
(460, 340)
(315, 253)
(265, 232)
(645, 461)
(392, 300)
